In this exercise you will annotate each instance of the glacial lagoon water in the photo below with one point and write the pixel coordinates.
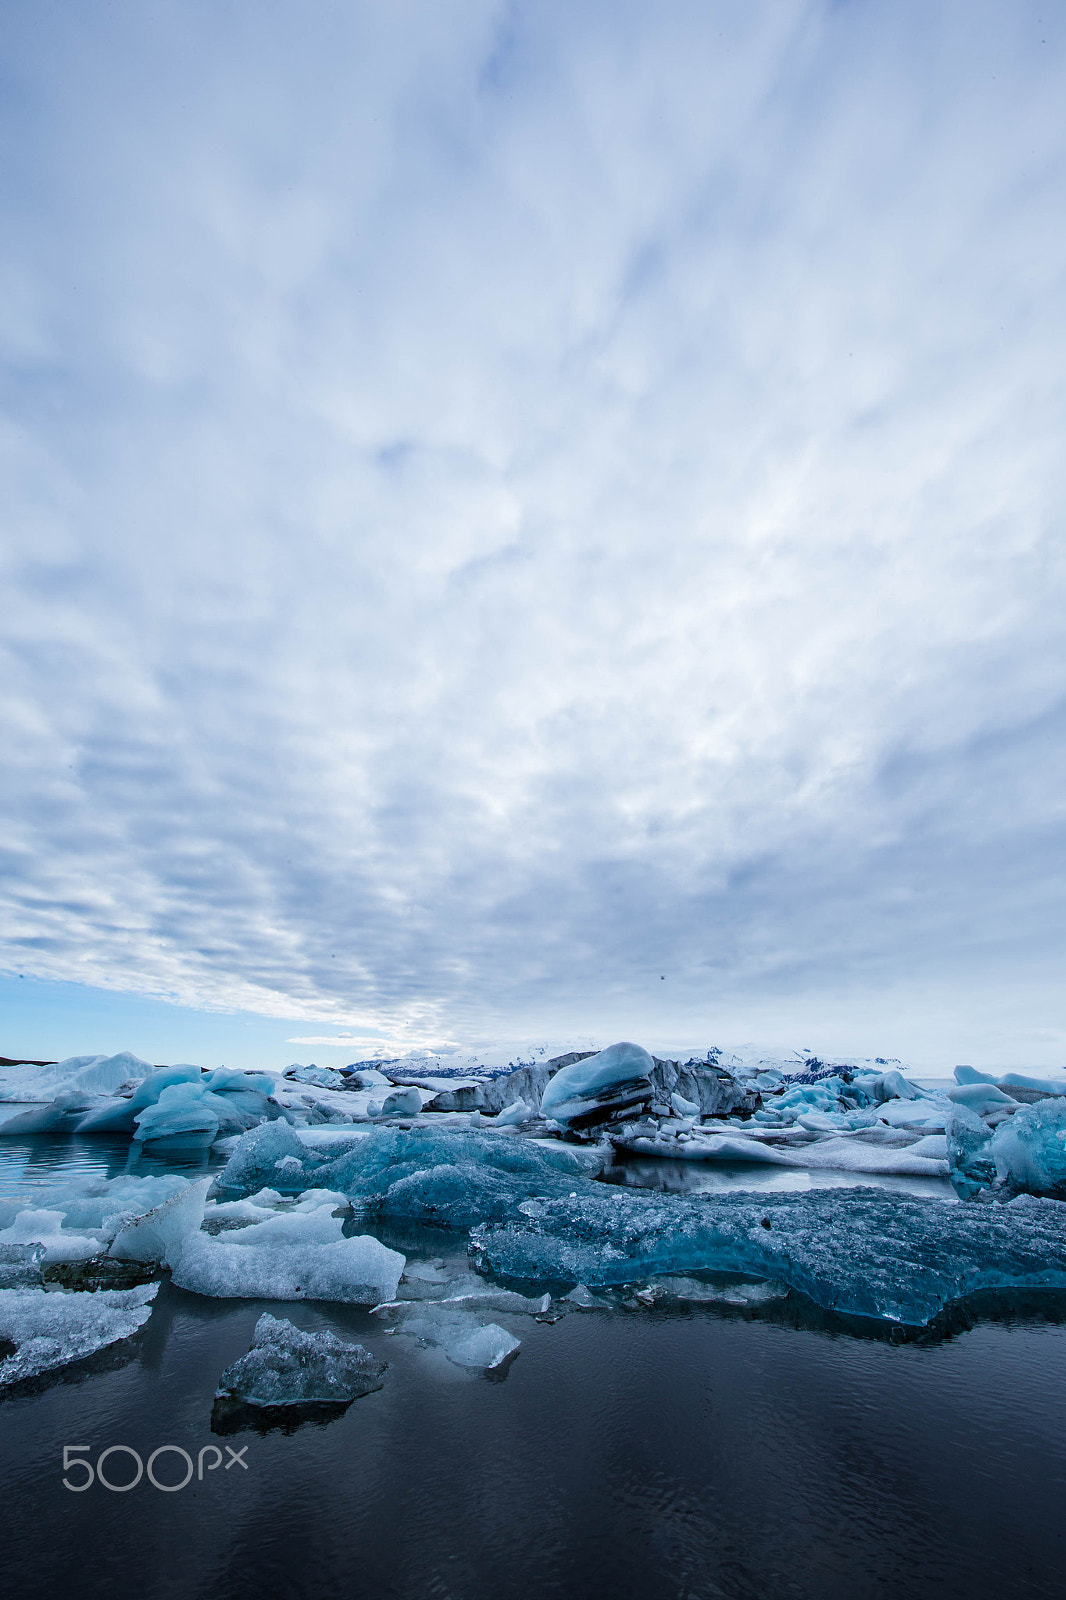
(653, 1453)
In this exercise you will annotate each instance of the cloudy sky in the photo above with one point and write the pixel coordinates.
(535, 517)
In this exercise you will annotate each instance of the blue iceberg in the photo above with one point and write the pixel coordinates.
(874, 1255)
(455, 1180)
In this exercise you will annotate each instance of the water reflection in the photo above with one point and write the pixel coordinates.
(39, 1159)
(721, 1177)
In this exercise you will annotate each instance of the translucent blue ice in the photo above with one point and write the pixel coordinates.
(454, 1179)
(871, 1254)
(1029, 1150)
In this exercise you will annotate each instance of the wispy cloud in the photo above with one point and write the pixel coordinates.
(534, 515)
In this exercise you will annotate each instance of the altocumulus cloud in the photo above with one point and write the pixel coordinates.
(536, 515)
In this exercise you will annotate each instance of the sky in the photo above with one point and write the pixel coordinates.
(530, 519)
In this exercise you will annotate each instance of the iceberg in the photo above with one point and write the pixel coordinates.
(118, 1115)
(159, 1235)
(20, 1265)
(400, 1103)
(969, 1145)
(182, 1114)
(269, 1156)
(983, 1098)
(879, 1255)
(599, 1087)
(918, 1158)
(1029, 1151)
(64, 1114)
(291, 1256)
(514, 1115)
(288, 1367)
(88, 1075)
(479, 1297)
(454, 1180)
(50, 1329)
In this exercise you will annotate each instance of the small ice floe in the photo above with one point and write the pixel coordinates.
(289, 1367)
(463, 1339)
(51, 1329)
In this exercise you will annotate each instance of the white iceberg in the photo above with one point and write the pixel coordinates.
(291, 1256)
(46, 1228)
(159, 1235)
(90, 1075)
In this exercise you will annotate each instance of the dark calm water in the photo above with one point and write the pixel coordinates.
(649, 1454)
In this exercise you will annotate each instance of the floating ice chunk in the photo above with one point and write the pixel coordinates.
(427, 1271)
(315, 1199)
(271, 1155)
(462, 1338)
(818, 1154)
(876, 1254)
(46, 1228)
(1020, 1080)
(224, 1214)
(683, 1107)
(182, 1112)
(119, 1115)
(894, 1086)
(51, 1329)
(291, 1257)
(160, 1234)
(582, 1297)
(599, 1087)
(698, 1292)
(971, 1075)
(1029, 1151)
(400, 1103)
(479, 1297)
(64, 1115)
(20, 1265)
(454, 1179)
(288, 1367)
(928, 1116)
(982, 1098)
(514, 1115)
(319, 1077)
(969, 1147)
